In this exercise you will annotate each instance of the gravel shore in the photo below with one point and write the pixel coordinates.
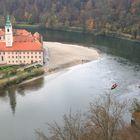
(61, 56)
(66, 55)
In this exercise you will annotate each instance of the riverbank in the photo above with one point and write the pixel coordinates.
(65, 55)
(11, 75)
(62, 56)
(120, 35)
(49, 98)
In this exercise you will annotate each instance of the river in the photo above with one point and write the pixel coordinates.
(30, 106)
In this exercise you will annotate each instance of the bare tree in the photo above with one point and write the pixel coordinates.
(105, 117)
(72, 129)
(102, 122)
(40, 135)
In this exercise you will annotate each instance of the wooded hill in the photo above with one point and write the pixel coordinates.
(122, 16)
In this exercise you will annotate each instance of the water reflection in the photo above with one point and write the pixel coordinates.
(31, 86)
(45, 100)
(12, 99)
(9, 95)
(115, 46)
(74, 89)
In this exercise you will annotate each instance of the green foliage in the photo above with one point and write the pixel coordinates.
(8, 70)
(15, 77)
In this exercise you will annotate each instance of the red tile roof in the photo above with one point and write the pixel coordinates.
(22, 46)
(21, 32)
(22, 41)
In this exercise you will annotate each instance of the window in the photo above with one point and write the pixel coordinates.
(7, 30)
(2, 58)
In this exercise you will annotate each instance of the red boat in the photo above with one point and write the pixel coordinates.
(114, 86)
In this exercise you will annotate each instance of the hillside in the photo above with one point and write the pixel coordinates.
(121, 16)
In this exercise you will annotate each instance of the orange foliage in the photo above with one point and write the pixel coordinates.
(134, 4)
(136, 118)
(91, 24)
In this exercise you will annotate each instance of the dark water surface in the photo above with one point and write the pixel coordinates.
(114, 46)
(30, 106)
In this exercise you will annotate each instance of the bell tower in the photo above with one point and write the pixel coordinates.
(8, 32)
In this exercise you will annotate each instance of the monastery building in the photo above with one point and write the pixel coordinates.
(18, 46)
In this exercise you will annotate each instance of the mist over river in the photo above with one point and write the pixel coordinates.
(27, 107)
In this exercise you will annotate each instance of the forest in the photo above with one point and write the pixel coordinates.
(119, 16)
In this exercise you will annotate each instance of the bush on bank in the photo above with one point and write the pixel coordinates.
(20, 77)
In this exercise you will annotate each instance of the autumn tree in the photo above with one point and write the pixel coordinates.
(90, 24)
(120, 15)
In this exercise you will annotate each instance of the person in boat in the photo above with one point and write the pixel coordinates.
(114, 86)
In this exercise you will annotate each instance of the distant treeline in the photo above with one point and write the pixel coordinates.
(121, 16)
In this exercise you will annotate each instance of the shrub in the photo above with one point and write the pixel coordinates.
(21, 76)
(3, 83)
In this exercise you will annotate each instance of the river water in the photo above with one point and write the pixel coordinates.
(30, 106)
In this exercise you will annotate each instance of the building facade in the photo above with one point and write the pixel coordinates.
(18, 46)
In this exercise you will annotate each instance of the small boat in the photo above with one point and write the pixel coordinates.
(114, 86)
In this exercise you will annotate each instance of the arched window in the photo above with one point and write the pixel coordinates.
(7, 30)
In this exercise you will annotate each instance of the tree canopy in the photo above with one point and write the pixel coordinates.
(113, 15)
